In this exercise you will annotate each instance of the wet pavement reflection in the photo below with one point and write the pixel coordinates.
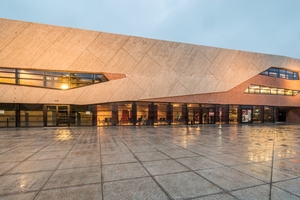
(149, 162)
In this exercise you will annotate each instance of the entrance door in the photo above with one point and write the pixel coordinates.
(282, 116)
(208, 116)
(58, 115)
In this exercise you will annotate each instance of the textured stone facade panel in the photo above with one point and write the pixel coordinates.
(66, 49)
(122, 62)
(106, 45)
(161, 51)
(138, 47)
(29, 45)
(161, 84)
(87, 60)
(9, 30)
(182, 57)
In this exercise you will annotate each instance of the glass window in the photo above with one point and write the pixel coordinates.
(193, 113)
(265, 90)
(81, 115)
(268, 114)
(7, 75)
(178, 114)
(7, 115)
(7, 80)
(288, 92)
(222, 114)
(104, 114)
(30, 76)
(208, 113)
(125, 113)
(31, 115)
(161, 113)
(246, 115)
(273, 72)
(31, 72)
(4, 70)
(142, 113)
(258, 114)
(290, 75)
(281, 73)
(233, 114)
(280, 91)
(256, 89)
(49, 79)
(39, 83)
(274, 91)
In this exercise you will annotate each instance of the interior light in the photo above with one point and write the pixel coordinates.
(64, 86)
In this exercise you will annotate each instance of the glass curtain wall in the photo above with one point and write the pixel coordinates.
(49, 79)
(193, 113)
(245, 114)
(7, 115)
(81, 115)
(125, 114)
(31, 115)
(233, 114)
(269, 113)
(142, 113)
(104, 114)
(208, 114)
(161, 113)
(179, 115)
(258, 113)
(51, 116)
(222, 114)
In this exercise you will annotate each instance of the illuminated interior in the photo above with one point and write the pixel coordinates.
(281, 73)
(258, 89)
(49, 79)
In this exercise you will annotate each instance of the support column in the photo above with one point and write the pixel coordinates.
(134, 113)
(169, 113)
(151, 113)
(115, 117)
(18, 115)
(184, 113)
(94, 115)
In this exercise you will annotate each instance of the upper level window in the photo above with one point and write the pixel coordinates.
(49, 79)
(281, 73)
(258, 89)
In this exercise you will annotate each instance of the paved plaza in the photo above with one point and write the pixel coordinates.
(167, 162)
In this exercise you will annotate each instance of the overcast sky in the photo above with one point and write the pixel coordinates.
(264, 26)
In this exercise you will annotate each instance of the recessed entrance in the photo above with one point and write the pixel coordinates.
(57, 115)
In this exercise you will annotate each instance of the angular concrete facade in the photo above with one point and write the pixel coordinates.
(147, 69)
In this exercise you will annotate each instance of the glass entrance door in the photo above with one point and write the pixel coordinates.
(62, 116)
(208, 115)
(58, 115)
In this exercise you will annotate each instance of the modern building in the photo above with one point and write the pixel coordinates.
(60, 76)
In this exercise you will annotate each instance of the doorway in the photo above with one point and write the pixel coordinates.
(282, 116)
(57, 115)
(208, 115)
